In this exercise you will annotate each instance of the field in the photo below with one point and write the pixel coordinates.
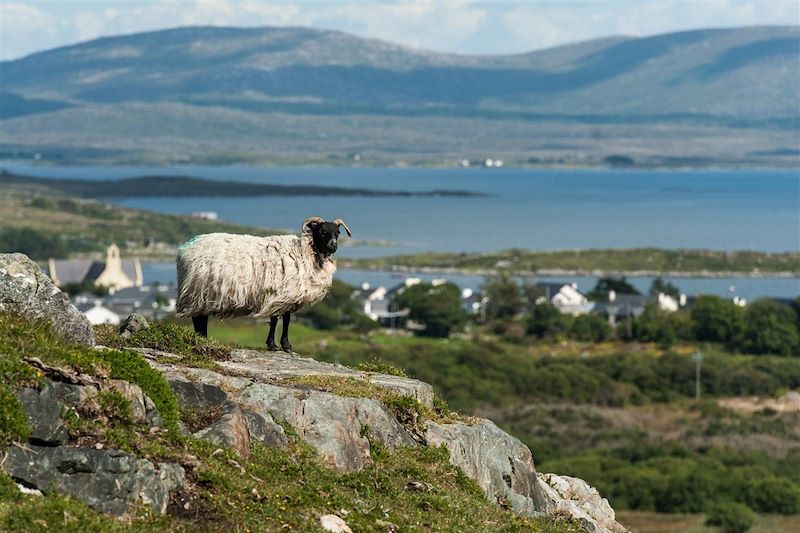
(694, 523)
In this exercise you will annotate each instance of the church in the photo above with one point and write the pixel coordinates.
(115, 273)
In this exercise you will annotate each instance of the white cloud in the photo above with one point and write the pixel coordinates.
(454, 26)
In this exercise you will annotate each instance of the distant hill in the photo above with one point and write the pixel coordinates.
(249, 93)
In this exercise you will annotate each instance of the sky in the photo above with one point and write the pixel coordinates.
(460, 26)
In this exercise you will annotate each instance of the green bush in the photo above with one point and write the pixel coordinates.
(504, 297)
(546, 321)
(716, 320)
(770, 327)
(733, 517)
(592, 328)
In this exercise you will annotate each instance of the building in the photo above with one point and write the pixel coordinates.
(114, 272)
(154, 302)
(97, 313)
(565, 297)
(621, 307)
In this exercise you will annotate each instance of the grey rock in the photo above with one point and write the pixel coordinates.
(335, 426)
(195, 394)
(500, 464)
(44, 415)
(132, 325)
(264, 429)
(109, 481)
(230, 429)
(27, 291)
(577, 498)
(272, 366)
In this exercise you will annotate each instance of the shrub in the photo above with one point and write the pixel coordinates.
(339, 309)
(546, 321)
(592, 328)
(770, 327)
(715, 319)
(504, 297)
(731, 516)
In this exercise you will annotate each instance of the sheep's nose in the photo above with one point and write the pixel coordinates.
(332, 244)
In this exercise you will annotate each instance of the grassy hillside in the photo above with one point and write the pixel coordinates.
(586, 261)
(43, 223)
(274, 490)
(292, 95)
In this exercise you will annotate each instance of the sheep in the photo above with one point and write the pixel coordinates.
(230, 275)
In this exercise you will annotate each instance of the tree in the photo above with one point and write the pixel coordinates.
(662, 327)
(504, 297)
(546, 321)
(661, 286)
(608, 284)
(339, 309)
(716, 320)
(770, 327)
(436, 306)
(592, 328)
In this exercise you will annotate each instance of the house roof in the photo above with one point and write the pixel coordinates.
(78, 270)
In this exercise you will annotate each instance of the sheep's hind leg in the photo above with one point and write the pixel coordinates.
(285, 344)
(200, 324)
(273, 323)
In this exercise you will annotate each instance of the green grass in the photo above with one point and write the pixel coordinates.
(196, 351)
(647, 522)
(20, 338)
(607, 260)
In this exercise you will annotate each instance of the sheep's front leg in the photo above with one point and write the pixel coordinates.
(285, 344)
(200, 324)
(273, 323)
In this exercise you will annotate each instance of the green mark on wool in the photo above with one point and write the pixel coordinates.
(187, 244)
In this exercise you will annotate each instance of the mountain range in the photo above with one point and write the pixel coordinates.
(283, 95)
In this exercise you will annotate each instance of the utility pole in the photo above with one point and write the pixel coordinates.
(698, 357)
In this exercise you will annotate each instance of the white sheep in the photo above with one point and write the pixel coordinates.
(242, 275)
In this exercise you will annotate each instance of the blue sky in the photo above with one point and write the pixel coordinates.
(453, 26)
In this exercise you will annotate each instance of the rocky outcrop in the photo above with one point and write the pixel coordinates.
(27, 291)
(340, 429)
(501, 464)
(574, 497)
(225, 423)
(107, 480)
(253, 364)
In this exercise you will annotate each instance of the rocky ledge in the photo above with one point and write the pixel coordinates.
(254, 390)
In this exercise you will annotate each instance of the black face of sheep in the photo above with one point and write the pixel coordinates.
(325, 236)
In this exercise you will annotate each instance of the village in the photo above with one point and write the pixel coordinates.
(122, 291)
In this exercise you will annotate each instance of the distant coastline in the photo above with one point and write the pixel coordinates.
(187, 186)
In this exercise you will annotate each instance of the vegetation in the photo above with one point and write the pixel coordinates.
(645, 260)
(438, 307)
(42, 223)
(620, 415)
(274, 489)
(732, 517)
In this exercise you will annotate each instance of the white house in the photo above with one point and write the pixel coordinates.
(565, 297)
(98, 314)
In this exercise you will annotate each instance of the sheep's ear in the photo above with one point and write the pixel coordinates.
(340, 222)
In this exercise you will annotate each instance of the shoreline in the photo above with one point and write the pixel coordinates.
(555, 272)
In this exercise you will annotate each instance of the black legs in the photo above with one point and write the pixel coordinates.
(285, 345)
(273, 321)
(200, 324)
